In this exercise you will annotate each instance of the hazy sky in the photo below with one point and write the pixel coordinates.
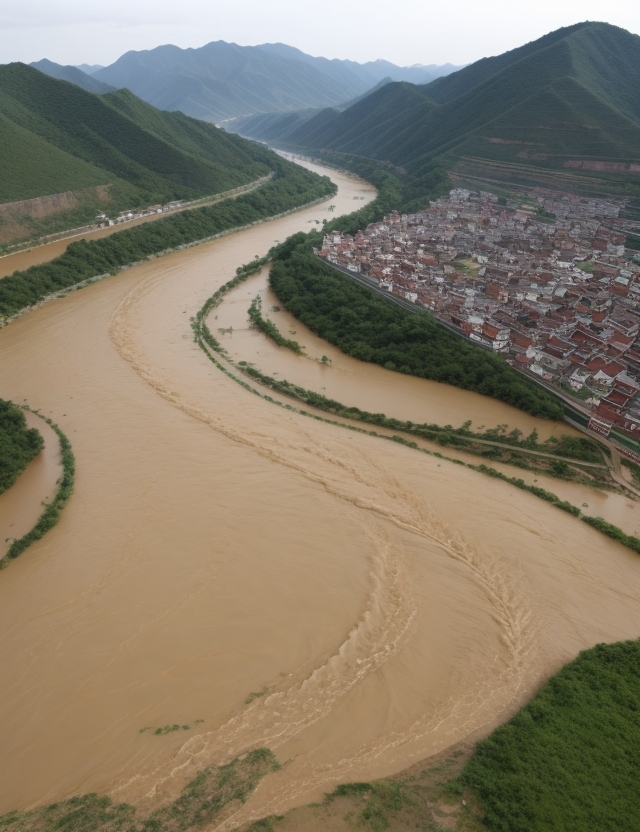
(402, 31)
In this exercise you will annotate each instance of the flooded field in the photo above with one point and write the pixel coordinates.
(346, 601)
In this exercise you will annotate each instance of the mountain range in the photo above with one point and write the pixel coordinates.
(223, 80)
(562, 111)
(91, 152)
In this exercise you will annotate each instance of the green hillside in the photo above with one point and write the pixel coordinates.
(32, 167)
(57, 137)
(568, 98)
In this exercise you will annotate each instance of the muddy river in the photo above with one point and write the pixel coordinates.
(350, 603)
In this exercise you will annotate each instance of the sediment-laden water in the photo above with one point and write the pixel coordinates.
(348, 602)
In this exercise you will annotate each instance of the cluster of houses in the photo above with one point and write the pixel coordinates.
(549, 285)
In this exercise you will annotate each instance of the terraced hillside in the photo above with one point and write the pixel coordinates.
(563, 109)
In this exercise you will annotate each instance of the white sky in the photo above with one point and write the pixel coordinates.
(402, 31)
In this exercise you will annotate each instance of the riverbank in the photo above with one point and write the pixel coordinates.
(43, 251)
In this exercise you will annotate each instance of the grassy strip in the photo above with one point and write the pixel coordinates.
(51, 514)
(201, 803)
(447, 437)
(18, 444)
(613, 532)
(542, 493)
(269, 328)
(570, 759)
(291, 188)
(426, 798)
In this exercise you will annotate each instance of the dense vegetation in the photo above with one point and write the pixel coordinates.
(18, 444)
(515, 118)
(290, 188)
(57, 137)
(366, 326)
(570, 760)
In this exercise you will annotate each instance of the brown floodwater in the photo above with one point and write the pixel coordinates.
(382, 603)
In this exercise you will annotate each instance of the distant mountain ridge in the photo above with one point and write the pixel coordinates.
(74, 75)
(562, 111)
(89, 69)
(222, 80)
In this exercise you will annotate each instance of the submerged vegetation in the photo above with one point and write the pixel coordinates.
(18, 444)
(201, 802)
(269, 328)
(170, 729)
(581, 449)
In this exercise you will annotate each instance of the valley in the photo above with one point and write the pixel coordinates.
(301, 541)
(274, 576)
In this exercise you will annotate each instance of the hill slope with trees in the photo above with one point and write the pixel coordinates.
(534, 114)
(106, 153)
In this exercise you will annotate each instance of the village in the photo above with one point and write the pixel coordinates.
(549, 285)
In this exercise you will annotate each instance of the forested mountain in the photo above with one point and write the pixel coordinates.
(223, 80)
(72, 74)
(561, 111)
(106, 152)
